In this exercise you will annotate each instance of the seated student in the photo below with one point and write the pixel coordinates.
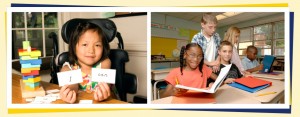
(87, 50)
(225, 53)
(192, 71)
(249, 62)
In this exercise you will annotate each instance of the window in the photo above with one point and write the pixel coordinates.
(34, 27)
(268, 38)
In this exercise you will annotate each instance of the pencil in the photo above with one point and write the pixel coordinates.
(268, 93)
(176, 79)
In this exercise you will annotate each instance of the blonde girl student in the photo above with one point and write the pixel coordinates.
(232, 35)
(225, 52)
(88, 49)
(192, 71)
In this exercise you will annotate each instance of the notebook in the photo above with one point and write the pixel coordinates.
(223, 73)
(268, 62)
(252, 82)
(245, 88)
(194, 98)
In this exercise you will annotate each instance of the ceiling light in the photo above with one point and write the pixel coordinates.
(227, 15)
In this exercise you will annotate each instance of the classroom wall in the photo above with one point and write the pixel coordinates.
(163, 46)
(165, 41)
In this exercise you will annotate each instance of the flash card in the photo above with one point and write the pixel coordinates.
(104, 75)
(69, 77)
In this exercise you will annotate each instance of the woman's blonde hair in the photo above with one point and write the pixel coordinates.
(231, 32)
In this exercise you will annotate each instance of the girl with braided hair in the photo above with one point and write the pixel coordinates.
(192, 71)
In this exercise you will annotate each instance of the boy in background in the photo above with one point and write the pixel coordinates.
(249, 62)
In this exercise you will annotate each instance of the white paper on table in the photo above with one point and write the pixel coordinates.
(223, 73)
(69, 77)
(86, 102)
(104, 75)
(52, 91)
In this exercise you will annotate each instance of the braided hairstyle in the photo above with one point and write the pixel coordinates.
(182, 52)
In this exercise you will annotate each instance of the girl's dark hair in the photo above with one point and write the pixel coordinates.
(81, 28)
(183, 50)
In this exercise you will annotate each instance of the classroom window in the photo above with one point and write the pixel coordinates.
(34, 27)
(268, 38)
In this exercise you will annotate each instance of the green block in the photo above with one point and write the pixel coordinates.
(26, 44)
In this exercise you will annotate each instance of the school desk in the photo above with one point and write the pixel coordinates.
(230, 95)
(17, 95)
(158, 76)
(269, 76)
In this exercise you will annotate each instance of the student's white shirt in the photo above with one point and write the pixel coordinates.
(210, 52)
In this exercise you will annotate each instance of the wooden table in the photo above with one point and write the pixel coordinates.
(230, 95)
(17, 95)
(269, 76)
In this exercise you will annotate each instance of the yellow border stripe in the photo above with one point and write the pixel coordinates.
(252, 5)
(50, 110)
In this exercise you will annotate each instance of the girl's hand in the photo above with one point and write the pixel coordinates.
(229, 80)
(179, 91)
(67, 95)
(102, 91)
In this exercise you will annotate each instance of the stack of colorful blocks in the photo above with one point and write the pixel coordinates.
(30, 66)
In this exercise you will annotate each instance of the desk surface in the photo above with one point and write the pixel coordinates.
(230, 95)
(17, 94)
(268, 76)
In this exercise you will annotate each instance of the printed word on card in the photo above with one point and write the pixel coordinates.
(69, 77)
(104, 75)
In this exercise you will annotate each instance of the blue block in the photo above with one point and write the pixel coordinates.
(26, 77)
(32, 62)
(28, 65)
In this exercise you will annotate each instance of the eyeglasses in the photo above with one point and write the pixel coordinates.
(195, 56)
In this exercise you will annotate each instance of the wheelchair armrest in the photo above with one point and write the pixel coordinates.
(130, 83)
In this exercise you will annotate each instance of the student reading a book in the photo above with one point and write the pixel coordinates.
(249, 62)
(225, 53)
(232, 35)
(192, 71)
(87, 49)
(209, 40)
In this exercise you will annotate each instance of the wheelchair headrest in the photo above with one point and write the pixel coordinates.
(107, 26)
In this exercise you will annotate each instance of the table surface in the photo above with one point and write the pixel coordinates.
(230, 95)
(82, 95)
(269, 76)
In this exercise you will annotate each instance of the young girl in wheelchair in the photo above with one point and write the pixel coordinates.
(88, 49)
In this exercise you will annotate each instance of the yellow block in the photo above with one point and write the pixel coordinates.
(26, 44)
(28, 58)
(31, 89)
(35, 53)
(28, 70)
(33, 80)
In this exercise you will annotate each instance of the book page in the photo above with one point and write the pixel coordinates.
(215, 86)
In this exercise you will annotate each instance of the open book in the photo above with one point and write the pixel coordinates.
(223, 73)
